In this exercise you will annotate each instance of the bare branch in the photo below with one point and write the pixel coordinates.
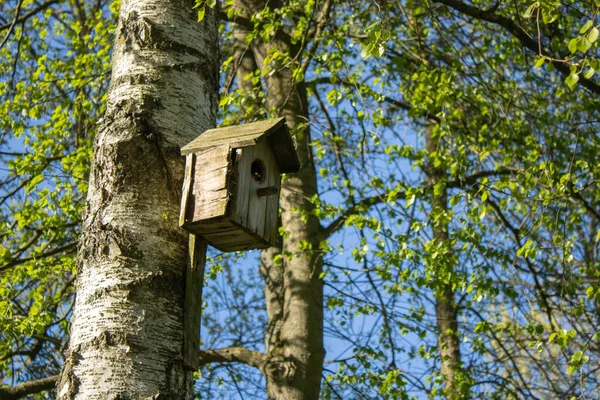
(472, 179)
(13, 24)
(26, 388)
(378, 199)
(315, 35)
(233, 355)
(29, 14)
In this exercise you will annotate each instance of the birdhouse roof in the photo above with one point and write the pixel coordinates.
(273, 130)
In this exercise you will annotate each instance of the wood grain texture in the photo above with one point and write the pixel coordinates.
(241, 200)
(233, 135)
(210, 193)
(194, 276)
(187, 187)
(223, 205)
(275, 132)
(272, 203)
(257, 206)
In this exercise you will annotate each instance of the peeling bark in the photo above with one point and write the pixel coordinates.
(127, 329)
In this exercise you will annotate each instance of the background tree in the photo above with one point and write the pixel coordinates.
(449, 190)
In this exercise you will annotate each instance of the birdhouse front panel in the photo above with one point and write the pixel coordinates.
(258, 182)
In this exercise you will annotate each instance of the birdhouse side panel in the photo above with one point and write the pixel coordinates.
(210, 192)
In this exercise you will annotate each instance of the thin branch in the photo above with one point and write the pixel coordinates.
(361, 205)
(248, 24)
(577, 196)
(29, 14)
(472, 179)
(49, 253)
(12, 25)
(378, 199)
(322, 21)
(27, 388)
(519, 33)
(398, 103)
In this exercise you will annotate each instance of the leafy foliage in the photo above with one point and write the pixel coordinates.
(507, 91)
(55, 65)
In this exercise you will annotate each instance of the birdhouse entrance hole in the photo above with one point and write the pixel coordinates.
(257, 170)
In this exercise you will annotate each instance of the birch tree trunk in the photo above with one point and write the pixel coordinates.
(127, 328)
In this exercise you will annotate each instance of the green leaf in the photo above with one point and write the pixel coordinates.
(529, 12)
(586, 26)
(366, 51)
(573, 45)
(201, 12)
(572, 80)
(592, 35)
(589, 73)
(583, 44)
(540, 62)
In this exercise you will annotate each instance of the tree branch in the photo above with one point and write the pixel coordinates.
(519, 33)
(248, 24)
(49, 253)
(577, 196)
(398, 103)
(472, 179)
(361, 205)
(26, 388)
(233, 355)
(315, 35)
(29, 14)
(378, 199)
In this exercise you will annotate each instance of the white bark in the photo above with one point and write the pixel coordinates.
(127, 329)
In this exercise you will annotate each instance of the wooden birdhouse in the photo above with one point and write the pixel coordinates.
(232, 181)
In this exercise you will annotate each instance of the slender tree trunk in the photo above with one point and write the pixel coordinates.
(272, 273)
(127, 329)
(445, 307)
(293, 289)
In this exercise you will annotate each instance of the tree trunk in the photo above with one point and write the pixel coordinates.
(127, 327)
(298, 339)
(293, 288)
(445, 307)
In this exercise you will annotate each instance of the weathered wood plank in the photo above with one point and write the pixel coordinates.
(232, 134)
(272, 203)
(242, 190)
(258, 205)
(194, 276)
(211, 207)
(187, 188)
(210, 186)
